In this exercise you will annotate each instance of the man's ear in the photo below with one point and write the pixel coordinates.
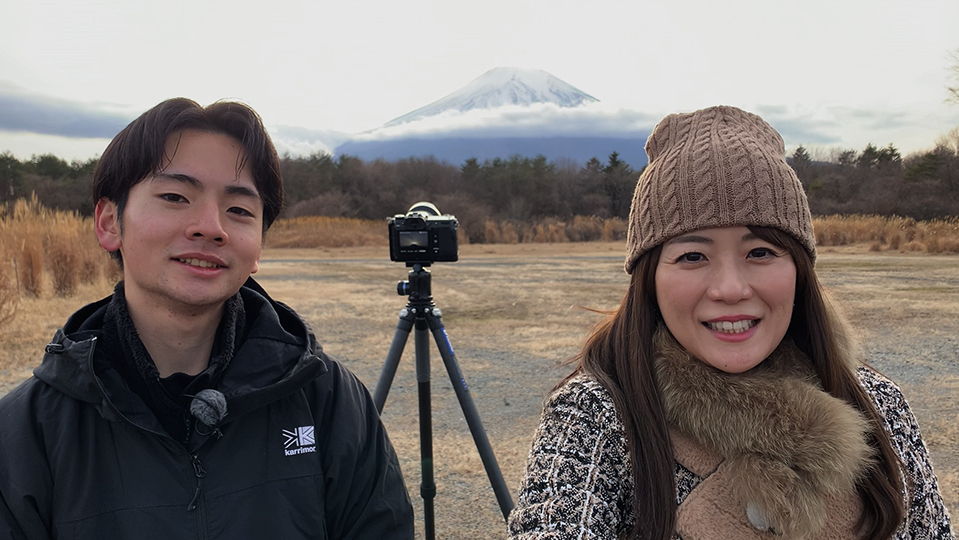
(106, 223)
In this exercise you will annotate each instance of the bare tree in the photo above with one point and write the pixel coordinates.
(954, 70)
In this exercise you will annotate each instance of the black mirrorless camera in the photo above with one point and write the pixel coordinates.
(423, 236)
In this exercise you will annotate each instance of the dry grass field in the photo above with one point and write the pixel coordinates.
(514, 312)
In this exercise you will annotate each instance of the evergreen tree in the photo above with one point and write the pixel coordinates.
(801, 163)
(11, 173)
(619, 181)
(847, 158)
(869, 158)
(50, 166)
(889, 158)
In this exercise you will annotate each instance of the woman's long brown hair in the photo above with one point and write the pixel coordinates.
(619, 353)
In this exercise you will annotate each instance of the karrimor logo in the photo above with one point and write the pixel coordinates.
(299, 441)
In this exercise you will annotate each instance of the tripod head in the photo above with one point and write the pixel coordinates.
(418, 287)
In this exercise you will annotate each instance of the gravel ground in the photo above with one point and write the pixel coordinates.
(514, 314)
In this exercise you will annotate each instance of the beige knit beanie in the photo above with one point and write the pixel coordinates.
(716, 167)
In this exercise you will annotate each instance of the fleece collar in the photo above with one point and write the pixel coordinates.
(789, 448)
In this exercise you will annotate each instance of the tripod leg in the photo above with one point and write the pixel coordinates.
(469, 410)
(427, 485)
(393, 358)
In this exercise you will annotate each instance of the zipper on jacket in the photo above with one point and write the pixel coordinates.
(200, 475)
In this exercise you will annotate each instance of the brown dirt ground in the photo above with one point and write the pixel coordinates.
(513, 313)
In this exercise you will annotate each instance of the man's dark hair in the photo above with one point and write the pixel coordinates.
(139, 150)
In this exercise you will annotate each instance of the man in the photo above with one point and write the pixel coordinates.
(189, 404)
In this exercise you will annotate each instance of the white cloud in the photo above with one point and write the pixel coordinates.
(594, 119)
(354, 65)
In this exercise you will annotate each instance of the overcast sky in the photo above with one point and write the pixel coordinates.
(826, 73)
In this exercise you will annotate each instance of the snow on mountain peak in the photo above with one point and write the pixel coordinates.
(503, 86)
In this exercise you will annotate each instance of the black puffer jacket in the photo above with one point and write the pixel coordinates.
(302, 454)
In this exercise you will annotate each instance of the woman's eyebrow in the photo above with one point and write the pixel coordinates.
(690, 239)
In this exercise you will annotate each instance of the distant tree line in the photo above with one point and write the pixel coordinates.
(923, 185)
(875, 180)
(516, 189)
(57, 183)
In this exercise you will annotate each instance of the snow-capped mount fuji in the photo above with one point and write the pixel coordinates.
(507, 112)
(500, 87)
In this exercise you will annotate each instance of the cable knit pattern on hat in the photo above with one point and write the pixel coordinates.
(717, 167)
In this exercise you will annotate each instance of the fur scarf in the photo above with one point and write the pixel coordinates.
(791, 449)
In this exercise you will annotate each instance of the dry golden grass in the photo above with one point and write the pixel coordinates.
(893, 233)
(551, 230)
(9, 295)
(64, 261)
(48, 250)
(501, 233)
(322, 231)
(879, 232)
(37, 320)
(50, 264)
(30, 266)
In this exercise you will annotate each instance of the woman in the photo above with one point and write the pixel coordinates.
(722, 399)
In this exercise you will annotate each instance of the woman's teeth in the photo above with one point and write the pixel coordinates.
(728, 327)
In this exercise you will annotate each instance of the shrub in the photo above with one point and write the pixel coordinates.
(949, 245)
(508, 234)
(323, 231)
(894, 240)
(934, 236)
(585, 229)
(491, 232)
(38, 240)
(614, 229)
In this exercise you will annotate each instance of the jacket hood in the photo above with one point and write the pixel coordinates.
(278, 355)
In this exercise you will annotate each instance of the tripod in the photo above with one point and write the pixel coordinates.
(422, 313)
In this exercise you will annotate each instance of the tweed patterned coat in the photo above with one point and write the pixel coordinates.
(578, 483)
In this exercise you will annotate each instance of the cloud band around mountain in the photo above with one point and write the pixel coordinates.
(21, 112)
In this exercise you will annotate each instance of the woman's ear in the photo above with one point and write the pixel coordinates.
(106, 223)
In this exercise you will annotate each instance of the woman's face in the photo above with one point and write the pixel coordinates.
(726, 295)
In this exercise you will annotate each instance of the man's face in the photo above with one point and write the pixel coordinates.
(192, 233)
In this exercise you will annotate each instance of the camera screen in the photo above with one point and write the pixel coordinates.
(410, 239)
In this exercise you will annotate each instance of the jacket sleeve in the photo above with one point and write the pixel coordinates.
(9, 528)
(578, 481)
(25, 480)
(366, 495)
(926, 515)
